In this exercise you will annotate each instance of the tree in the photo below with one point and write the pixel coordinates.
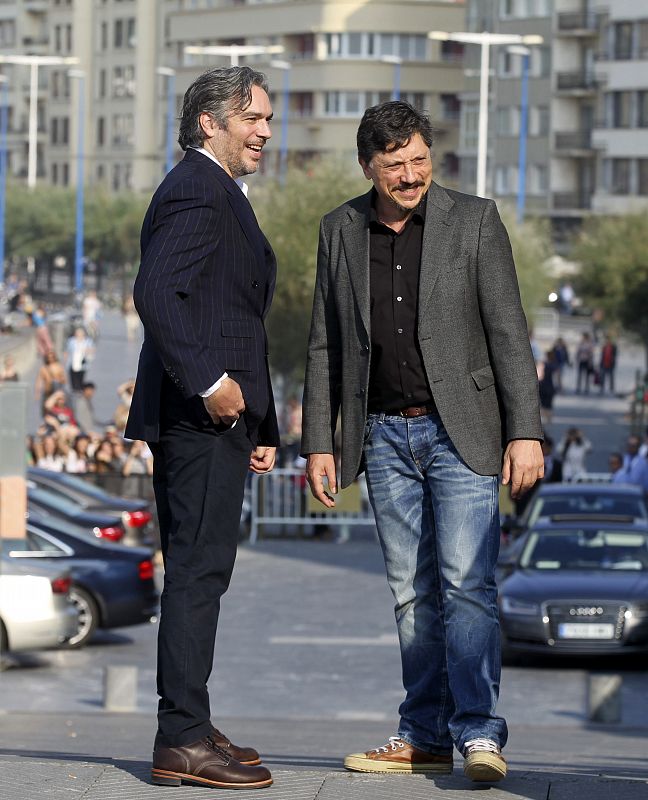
(613, 253)
(289, 216)
(531, 245)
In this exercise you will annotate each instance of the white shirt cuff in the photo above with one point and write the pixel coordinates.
(217, 385)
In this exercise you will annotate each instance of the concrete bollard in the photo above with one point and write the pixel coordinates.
(120, 688)
(604, 697)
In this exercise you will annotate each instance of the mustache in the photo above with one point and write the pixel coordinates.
(404, 186)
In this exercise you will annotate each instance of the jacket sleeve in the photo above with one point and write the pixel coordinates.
(185, 234)
(506, 330)
(323, 381)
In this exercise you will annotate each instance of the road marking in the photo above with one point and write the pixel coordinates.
(385, 639)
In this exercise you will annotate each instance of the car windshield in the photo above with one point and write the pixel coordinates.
(585, 549)
(83, 486)
(549, 505)
(43, 497)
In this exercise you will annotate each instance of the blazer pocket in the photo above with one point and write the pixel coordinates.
(483, 377)
(243, 328)
(234, 360)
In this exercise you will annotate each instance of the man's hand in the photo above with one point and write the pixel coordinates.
(226, 404)
(523, 465)
(262, 459)
(319, 466)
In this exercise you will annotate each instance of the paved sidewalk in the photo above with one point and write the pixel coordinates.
(97, 756)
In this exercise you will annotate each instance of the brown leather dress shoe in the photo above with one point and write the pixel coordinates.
(399, 757)
(206, 764)
(244, 755)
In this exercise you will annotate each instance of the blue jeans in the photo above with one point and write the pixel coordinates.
(438, 525)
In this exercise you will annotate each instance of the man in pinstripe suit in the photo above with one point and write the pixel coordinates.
(203, 401)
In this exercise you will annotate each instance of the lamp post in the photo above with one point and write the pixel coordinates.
(34, 62)
(524, 125)
(4, 108)
(170, 113)
(485, 40)
(79, 75)
(234, 51)
(286, 67)
(396, 61)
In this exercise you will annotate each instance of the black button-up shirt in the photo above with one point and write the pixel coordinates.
(397, 378)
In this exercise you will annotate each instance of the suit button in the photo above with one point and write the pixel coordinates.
(255, 284)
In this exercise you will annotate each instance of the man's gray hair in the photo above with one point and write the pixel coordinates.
(220, 92)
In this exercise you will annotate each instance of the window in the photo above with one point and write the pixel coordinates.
(622, 32)
(642, 39)
(642, 109)
(539, 121)
(57, 38)
(101, 131)
(620, 183)
(56, 77)
(301, 104)
(54, 130)
(621, 109)
(103, 45)
(450, 107)
(118, 34)
(102, 83)
(65, 130)
(506, 61)
(642, 176)
(66, 174)
(130, 32)
(68, 38)
(409, 47)
(54, 174)
(504, 179)
(122, 129)
(538, 179)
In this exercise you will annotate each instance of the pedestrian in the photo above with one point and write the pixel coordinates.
(607, 365)
(584, 363)
(561, 352)
(8, 372)
(43, 338)
(547, 389)
(635, 466)
(615, 464)
(131, 319)
(50, 378)
(91, 313)
(78, 353)
(417, 335)
(573, 448)
(84, 408)
(203, 401)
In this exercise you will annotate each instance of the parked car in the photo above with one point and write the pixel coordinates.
(550, 499)
(112, 586)
(35, 607)
(135, 514)
(576, 585)
(51, 505)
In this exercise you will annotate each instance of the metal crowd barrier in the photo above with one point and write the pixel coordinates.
(281, 501)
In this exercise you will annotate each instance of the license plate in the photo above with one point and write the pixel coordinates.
(585, 630)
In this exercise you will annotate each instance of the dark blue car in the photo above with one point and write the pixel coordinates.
(113, 586)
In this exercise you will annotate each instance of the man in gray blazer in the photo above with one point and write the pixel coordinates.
(418, 338)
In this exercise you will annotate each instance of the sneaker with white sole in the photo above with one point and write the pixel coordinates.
(398, 756)
(483, 761)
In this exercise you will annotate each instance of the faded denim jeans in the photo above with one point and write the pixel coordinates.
(438, 525)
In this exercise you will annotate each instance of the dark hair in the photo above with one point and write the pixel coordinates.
(88, 385)
(391, 125)
(220, 92)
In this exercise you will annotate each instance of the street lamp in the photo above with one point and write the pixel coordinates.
(286, 67)
(79, 74)
(396, 61)
(4, 107)
(234, 51)
(485, 40)
(520, 50)
(34, 62)
(170, 113)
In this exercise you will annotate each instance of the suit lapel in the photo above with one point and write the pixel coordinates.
(355, 240)
(437, 243)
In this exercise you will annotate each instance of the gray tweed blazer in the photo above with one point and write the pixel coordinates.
(471, 330)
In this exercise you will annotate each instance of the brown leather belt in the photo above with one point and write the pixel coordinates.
(417, 411)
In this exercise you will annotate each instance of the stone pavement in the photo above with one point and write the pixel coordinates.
(97, 756)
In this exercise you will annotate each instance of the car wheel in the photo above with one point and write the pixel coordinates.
(88, 618)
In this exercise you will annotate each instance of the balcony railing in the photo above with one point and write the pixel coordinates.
(576, 140)
(581, 81)
(571, 201)
(577, 21)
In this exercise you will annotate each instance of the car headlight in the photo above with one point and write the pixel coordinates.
(511, 605)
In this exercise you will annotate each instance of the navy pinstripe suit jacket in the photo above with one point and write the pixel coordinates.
(204, 287)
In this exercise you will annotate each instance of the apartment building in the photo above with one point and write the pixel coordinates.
(620, 133)
(587, 107)
(342, 56)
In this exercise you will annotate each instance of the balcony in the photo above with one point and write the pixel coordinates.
(578, 23)
(36, 6)
(578, 83)
(571, 201)
(574, 143)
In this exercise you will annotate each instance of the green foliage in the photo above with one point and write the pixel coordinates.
(289, 217)
(613, 252)
(531, 244)
(41, 224)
